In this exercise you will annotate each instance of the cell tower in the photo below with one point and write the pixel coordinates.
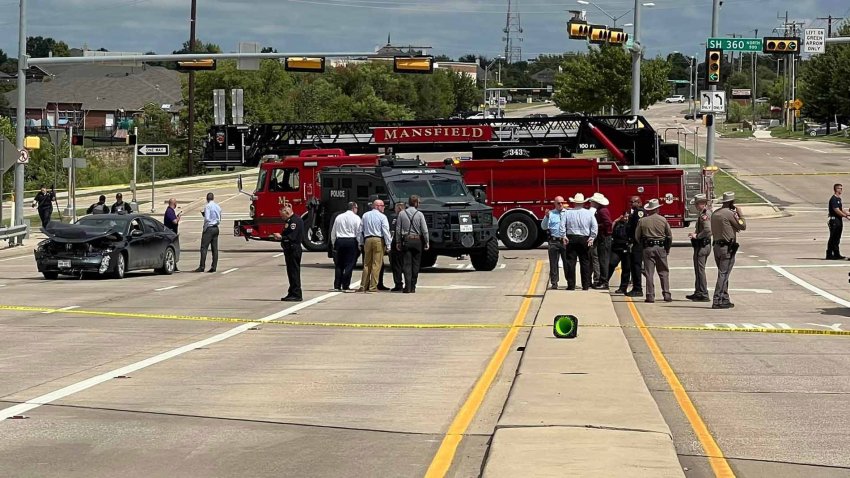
(513, 34)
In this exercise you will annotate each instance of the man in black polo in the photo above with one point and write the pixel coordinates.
(291, 237)
(835, 223)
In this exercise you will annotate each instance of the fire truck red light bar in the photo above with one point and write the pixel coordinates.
(433, 134)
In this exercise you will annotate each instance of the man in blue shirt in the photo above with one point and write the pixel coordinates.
(172, 220)
(555, 228)
(212, 218)
(374, 239)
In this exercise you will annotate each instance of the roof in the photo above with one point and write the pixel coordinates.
(103, 87)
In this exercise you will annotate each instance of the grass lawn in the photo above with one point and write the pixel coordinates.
(522, 106)
(733, 130)
(723, 181)
(784, 133)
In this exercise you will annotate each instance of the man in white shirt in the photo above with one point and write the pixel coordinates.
(581, 229)
(344, 241)
(374, 239)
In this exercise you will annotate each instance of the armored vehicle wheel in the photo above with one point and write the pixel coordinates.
(428, 259)
(486, 259)
(314, 240)
(50, 275)
(518, 231)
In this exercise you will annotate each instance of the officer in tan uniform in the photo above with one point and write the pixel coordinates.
(701, 242)
(725, 224)
(654, 234)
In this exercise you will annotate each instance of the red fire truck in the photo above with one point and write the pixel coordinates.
(516, 165)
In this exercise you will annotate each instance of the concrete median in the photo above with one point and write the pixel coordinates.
(580, 407)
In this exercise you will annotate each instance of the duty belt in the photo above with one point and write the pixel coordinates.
(653, 242)
(723, 242)
(699, 243)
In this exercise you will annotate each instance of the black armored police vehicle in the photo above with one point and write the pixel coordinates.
(458, 223)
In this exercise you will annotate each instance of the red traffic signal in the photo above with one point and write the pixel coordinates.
(77, 140)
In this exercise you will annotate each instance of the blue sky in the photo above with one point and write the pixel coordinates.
(451, 27)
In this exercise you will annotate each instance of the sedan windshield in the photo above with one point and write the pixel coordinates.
(117, 224)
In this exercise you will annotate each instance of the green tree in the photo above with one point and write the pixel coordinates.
(200, 47)
(823, 83)
(602, 78)
(466, 93)
(41, 47)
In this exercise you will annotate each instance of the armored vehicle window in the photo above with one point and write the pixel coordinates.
(362, 191)
(284, 180)
(346, 183)
(448, 188)
(327, 182)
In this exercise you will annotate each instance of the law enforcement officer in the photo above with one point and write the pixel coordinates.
(555, 228)
(100, 207)
(602, 245)
(120, 207)
(835, 224)
(701, 242)
(44, 202)
(654, 235)
(620, 254)
(725, 224)
(635, 249)
(396, 256)
(290, 240)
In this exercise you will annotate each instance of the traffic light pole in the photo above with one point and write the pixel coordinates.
(21, 115)
(709, 141)
(637, 51)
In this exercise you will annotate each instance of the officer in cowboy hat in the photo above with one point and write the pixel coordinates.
(602, 244)
(654, 234)
(726, 222)
(581, 229)
(701, 242)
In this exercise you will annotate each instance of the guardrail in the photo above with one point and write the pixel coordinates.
(14, 234)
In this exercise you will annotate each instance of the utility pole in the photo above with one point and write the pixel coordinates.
(709, 141)
(21, 114)
(753, 61)
(190, 166)
(637, 52)
(829, 20)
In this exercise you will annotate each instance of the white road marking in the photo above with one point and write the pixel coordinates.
(816, 290)
(763, 260)
(278, 255)
(228, 271)
(70, 307)
(14, 258)
(763, 325)
(757, 291)
(126, 370)
(791, 266)
(166, 288)
(752, 256)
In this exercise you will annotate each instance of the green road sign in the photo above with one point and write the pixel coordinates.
(713, 77)
(735, 44)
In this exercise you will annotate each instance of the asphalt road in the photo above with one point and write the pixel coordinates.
(774, 403)
(278, 401)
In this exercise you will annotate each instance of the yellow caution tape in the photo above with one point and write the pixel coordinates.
(232, 320)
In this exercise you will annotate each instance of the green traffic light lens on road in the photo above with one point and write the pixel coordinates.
(565, 326)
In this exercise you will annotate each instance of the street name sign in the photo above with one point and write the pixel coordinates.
(814, 40)
(712, 101)
(152, 149)
(735, 44)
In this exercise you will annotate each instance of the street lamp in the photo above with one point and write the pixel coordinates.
(486, 70)
(612, 17)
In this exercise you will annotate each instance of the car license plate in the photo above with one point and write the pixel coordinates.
(465, 223)
(466, 228)
(64, 264)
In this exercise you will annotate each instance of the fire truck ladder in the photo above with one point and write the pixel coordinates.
(624, 137)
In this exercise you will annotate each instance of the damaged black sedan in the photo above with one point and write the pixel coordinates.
(107, 245)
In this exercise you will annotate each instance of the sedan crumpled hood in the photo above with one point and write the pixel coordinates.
(76, 233)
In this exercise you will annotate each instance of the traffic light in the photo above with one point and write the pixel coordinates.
(195, 65)
(781, 45)
(598, 34)
(77, 140)
(712, 66)
(303, 64)
(617, 36)
(413, 64)
(131, 139)
(578, 29)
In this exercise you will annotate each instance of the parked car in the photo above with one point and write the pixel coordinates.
(675, 99)
(820, 130)
(107, 245)
(537, 115)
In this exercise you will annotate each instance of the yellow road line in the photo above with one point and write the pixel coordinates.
(445, 454)
(715, 456)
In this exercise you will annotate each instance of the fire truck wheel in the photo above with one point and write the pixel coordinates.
(518, 231)
(314, 240)
(488, 258)
(428, 259)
